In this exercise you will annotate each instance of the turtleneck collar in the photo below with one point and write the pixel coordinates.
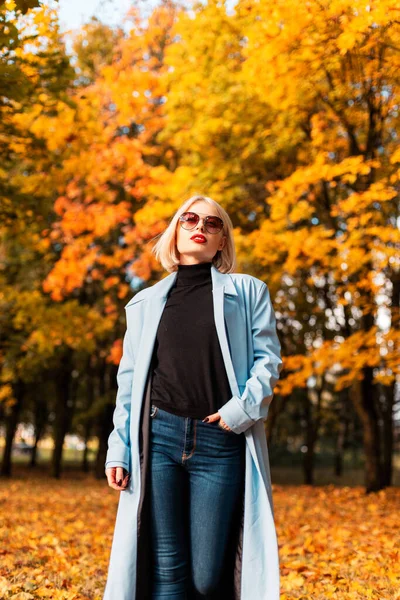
(194, 274)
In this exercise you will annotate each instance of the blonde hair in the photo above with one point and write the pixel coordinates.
(167, 254)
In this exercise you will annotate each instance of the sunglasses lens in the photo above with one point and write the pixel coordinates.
(214, 224)
(189, 220)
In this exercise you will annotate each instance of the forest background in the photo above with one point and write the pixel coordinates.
(285, 113)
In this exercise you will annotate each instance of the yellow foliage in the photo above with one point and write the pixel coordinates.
(281, 111)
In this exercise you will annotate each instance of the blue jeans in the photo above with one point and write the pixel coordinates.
(196, 478)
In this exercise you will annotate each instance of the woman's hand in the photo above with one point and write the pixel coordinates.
(117, 478)
(215, 417)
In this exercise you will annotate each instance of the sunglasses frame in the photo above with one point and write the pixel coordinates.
(205, 221)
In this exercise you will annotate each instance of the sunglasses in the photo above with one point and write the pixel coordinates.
(189, 220)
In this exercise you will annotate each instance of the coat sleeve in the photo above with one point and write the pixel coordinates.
(241, 412)
(118, 454)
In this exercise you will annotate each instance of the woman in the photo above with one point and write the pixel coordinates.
(200, 361)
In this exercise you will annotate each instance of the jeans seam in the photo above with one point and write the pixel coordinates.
(184, 455)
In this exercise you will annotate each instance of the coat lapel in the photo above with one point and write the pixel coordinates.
(223, 286)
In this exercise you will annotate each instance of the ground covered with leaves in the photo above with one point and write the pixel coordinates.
(55, 539)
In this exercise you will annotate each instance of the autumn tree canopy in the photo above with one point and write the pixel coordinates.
(285, 113)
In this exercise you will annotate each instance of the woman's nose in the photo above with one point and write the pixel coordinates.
(200, 224)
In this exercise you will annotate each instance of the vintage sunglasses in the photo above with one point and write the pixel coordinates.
(189, 220)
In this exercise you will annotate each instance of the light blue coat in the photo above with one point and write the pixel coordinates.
(246, 328)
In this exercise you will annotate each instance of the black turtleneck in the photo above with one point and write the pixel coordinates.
(189, 377)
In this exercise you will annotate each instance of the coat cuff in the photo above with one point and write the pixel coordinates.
(235, 416)
(118, 454)
(116, 463)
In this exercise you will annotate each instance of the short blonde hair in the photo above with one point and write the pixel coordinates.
(165, 249)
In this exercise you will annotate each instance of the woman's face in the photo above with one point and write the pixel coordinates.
(192, 251)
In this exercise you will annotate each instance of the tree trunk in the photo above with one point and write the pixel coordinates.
(340, 440)
(40, 416)
(313, 422)
(85, 460)
(105, 422)
(63, 413)
(38, 435)
(105, 428)
(91, 392)
(342, 435)
(388, 435)
(362, 397)
(277, 407)
(389, 394)
(11, 427)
